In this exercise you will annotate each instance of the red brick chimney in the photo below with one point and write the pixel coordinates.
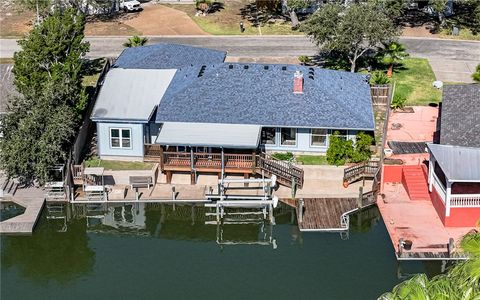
(298, 82)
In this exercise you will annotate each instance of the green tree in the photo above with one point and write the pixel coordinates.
(462, 281)
(41, 122)
(362, 147)
(353, 30)
(392, 54)
(339, 149)
(135, 41)
(393, 9)
(476, 75)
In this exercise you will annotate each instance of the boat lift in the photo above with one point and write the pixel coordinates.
(265, 202)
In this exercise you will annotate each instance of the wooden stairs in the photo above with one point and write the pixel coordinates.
(287, 173)
(414, 180)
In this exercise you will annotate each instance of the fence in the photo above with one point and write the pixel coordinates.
(380, 94)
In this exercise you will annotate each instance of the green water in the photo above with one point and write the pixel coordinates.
(146, 252)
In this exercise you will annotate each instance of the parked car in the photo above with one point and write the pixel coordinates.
(130, 5)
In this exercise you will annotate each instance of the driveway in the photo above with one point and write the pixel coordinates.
(452, 61)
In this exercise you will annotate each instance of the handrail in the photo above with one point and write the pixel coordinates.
(368, 168)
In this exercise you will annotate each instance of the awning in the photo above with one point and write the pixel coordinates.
(460, 164)
(209, 135)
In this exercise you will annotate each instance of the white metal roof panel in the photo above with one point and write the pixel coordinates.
(131, 94)
(460, 164)
(209, 135)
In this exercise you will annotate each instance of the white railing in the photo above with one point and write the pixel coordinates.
(465, 200)
(439, 188)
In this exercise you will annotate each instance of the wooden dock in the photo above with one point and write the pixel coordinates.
(414, 255)
(325, 214)
(32, 199)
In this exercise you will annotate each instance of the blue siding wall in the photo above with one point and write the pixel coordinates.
(105, 151)
(303, 142)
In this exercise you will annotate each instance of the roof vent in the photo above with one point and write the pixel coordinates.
(298, 82)
(265, 67)
(284, 68)
(230, 67)
(202, 70)
(245, 67)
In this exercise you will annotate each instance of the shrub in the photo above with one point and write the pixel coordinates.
(283, 156)
(398, 102)
(379, 77)
(304, 59)
(362, 147)
(476, 75)
(339, 150)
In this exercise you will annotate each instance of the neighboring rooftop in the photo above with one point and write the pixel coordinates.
(460, 115)
(6, 85)
(167, 56)
(458, 163)
(131, 94)
(263, 95)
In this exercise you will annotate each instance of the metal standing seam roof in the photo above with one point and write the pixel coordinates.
(131, 94)
(460, 164)
(260, 94)
(209, 135)
(460, 115)
(167, 56)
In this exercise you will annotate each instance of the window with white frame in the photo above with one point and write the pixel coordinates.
(120, 138)
(318, 137)
(268, 136)
(288, 136)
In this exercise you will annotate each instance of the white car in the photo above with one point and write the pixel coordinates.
(130, 5)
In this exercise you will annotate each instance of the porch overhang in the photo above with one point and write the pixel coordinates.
(218, 135)
(459, 164)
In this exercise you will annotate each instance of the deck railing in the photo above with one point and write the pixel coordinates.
(465, 200)
(361, 170)
(439, 188)
(285, 171)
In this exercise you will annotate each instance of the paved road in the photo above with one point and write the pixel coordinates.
(451, 60)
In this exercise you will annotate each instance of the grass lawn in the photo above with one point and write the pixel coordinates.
(312, 159)
(115, 165)
(465, 34)
(227, 20)
(414, 80)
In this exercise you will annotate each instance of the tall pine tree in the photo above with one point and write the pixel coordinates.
(41, 123)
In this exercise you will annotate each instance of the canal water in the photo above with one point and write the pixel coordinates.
(164, 252)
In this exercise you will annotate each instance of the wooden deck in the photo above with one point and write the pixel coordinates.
(407, 255)
(325, 214)
(33, 200)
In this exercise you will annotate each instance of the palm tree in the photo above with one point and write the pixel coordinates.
(461, 281)
(135, 41)
(392, 54)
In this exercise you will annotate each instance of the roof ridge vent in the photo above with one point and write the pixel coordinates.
(202, 70)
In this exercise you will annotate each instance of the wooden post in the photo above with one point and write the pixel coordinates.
(246, 176)
(223, 163)
(161, 158)
(360, 197)
(169, 176)
(193, 178)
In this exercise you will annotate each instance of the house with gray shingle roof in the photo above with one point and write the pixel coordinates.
(183, 98)
(460, 115)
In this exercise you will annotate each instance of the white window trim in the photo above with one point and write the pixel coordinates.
(327, 138)
(275, 137)
(280, 140)
(120, 137)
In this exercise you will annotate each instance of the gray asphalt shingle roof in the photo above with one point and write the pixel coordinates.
(460, 115)
(167, 56)
(255, 94)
